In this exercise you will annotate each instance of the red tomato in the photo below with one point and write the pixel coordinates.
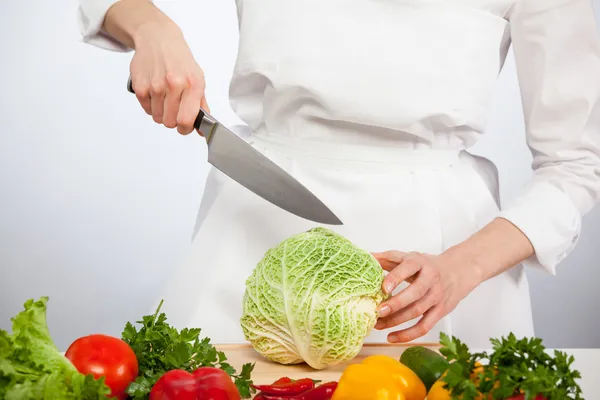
(215, 384)
(206, 383)
(107, 356)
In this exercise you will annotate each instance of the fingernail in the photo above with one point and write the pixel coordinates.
(392, 338)
(389, 287)
(383, 311)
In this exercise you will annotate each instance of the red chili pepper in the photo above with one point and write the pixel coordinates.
(322, 392)
(279, 381)
(287, 388)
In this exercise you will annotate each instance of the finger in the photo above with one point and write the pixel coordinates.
(142, 92)
(189, 109)
(389, 260)
(387, 264)
(407, 268)
(415, 291)
(157, 100)
(411, 312)
(176, 86)
(421, 328)
(390, 256)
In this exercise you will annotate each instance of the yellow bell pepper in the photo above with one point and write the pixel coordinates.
(379, 378)
(437, 391)
(407, 380)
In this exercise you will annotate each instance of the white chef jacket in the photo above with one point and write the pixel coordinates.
(438, 91)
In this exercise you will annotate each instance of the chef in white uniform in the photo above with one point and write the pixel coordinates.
(373, 105)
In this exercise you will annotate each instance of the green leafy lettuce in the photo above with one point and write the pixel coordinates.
(32, 367)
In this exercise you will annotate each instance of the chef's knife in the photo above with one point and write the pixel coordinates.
(244, 164)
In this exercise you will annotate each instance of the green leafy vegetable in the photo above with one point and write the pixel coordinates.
(513, 367)
(312, 299)
(32, 367)
(159, 348)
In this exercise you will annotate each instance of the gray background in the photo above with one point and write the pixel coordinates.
(98, 203)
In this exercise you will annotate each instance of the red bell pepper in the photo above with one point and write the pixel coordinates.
(206, 383)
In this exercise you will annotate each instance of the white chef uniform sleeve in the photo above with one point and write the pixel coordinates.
(557, 52)
(90, 16)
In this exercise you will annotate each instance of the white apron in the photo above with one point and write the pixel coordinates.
(368, 104)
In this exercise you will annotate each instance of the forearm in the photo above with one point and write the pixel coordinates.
(127, 20)
(494, 249)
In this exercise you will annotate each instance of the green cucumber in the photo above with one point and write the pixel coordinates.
(426, 363)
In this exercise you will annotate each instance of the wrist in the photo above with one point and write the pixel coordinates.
(154, 30)
(496, 248)
(134, 21)
(464, 259)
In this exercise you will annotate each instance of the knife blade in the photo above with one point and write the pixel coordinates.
(247, 166)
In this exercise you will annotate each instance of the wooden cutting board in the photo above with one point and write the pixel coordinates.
(266, 372)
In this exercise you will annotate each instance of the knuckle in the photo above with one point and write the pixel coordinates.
(184, 132)
(423, 329)
(176, 81)
(420, 290)
(196, 81)
(142, 90)
(157, 87)
(169, 124)
(419, 310)
(412, 263)
(185, 121)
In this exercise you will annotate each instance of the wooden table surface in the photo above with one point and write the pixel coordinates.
(266, 372)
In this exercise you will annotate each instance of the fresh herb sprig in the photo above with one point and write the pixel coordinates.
(159, 348)
(514, 366)
(459, 375)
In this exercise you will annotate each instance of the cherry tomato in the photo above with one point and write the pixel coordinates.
(107, 356)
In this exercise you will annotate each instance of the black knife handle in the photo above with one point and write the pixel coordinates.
(198, 120)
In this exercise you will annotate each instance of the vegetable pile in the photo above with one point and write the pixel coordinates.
(514, 369)
(160, 348)
(156, 362)
(312, 299)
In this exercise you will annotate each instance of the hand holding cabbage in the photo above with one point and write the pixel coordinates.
(437, 284)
